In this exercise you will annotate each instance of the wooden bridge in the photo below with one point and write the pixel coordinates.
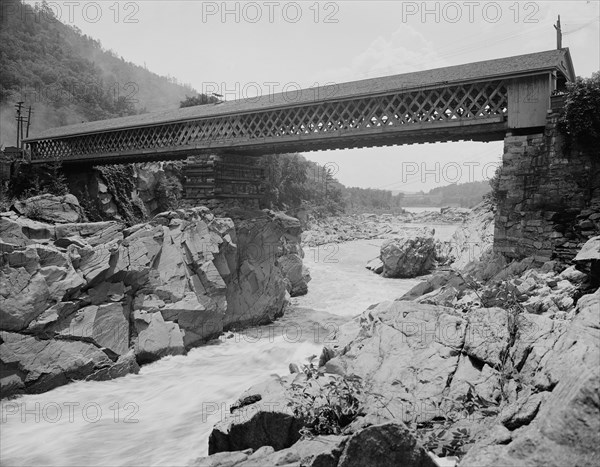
(478, 101)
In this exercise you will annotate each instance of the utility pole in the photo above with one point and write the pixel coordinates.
(28, 122)
(558, 34)
(18, 106)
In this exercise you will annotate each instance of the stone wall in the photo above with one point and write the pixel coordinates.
(549, 196)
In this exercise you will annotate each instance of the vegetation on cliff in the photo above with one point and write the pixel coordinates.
(581, 117)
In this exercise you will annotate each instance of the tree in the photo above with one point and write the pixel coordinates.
(200, 99)
(581, 117)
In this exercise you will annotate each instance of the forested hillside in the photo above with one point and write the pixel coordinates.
(67, 77)
(462, 194)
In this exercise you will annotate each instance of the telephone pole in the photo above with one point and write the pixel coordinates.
(18, 106)
(558, 34)
(28, 122)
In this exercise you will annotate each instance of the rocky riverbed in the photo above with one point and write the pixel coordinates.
(367, 226)
(485, 363)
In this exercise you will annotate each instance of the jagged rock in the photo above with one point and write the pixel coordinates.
(44, 322)
(182, 273)
(94, 263)
(156, 338)
(124, 365)
(559, 427)
(256, 293)
(296, 274)
(51, 208)
(200, 317)
(40, 365)
(407, 257)
(94, 233)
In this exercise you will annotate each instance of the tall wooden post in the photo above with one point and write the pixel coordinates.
(558, 34)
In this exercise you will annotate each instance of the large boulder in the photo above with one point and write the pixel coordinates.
(260, 417)
(407, 257)
(51, 208)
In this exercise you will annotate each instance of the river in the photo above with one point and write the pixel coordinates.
(164, 414)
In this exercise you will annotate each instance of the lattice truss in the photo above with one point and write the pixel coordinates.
(472, 101)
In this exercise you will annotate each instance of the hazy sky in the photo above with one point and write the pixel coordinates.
(241, 48)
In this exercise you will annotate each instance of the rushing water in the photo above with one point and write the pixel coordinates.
(163, 415)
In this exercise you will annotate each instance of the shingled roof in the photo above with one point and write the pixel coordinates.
(551, 60)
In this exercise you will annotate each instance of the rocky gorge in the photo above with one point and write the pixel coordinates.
(93, 300)
(468, 365)
(485, 362)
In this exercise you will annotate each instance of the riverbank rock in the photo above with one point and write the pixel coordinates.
(153, 289)
(407, 257)
(262, 428)
(386, 444)
(51, 208)
(560, 427)
(491, 385)
(35, 365)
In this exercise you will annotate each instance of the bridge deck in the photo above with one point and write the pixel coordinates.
(464, 102)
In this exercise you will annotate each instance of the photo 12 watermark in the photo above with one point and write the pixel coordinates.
(73, 12)
(69, 412)
(470, 12)
(270, 12)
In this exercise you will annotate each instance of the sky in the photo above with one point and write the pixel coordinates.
(240, 49)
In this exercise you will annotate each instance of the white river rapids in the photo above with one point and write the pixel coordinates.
(163, 415)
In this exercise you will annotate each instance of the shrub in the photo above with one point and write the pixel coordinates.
(326, 404)
(580, 120)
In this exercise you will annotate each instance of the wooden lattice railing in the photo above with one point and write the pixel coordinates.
(477, 102)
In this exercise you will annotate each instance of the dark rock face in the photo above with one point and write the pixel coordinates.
(99, 289)
(386, 445)
(261, 417)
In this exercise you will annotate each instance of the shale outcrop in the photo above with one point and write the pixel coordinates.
(92, 300)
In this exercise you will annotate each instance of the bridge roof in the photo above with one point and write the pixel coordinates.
(502, 68)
